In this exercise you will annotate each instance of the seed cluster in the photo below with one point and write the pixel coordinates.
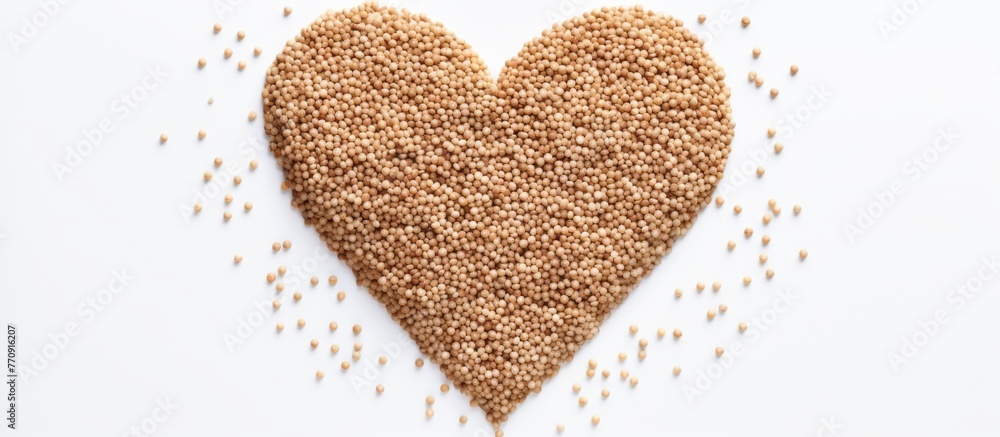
(499, 221)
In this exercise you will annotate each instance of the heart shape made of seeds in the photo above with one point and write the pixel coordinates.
(498, 220)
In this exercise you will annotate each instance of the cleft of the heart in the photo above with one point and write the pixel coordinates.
(499, 221)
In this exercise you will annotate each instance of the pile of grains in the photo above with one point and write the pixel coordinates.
(498, 221)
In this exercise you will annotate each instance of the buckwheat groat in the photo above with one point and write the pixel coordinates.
(498, 221)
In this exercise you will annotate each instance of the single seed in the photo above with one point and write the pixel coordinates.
(745, 21)
(237, 258)
(356, 355)
(286, 244)
(197, 207)
(582, 400)
(358, 345)
(771, 132)
(623, 374)
(794, 69)
(227, 53)
(445, 388)
(314, 343)
(769, 273)
(760, 171)
(716, 286)
(678, 293)
(756, 52)
(778, 147)
(737, 209)
(803, 254)
(766, 218)
(751, 76)
(341, 296)
(719, 351)
(576, 388)
(333, 326)
(282, 270)
(247, 206)
(202, 62)
(334, 348)
(633, 381)
(276, 247)
(605, 393)
(677, 370)
(419, 362)
(731, 245)
(642, 355)
(276, 304)
(559, 427)
(297, 296)
(643, 342)
(208, 176)
(606, 373)
(241, 65)
(771, 202)
(429, 413)
(622, 356)
(743, 326)
(429, 400)
(723, 307)
(202, 134)
(163, 138)
(765, 240)
(227, 215)
(719, 200)
(633, 329)
(240, 35)
(332, 280)
(314, 280)
(758, 81)
(462, 419)
(762, 258)
(382, 359)
(595, 419)
(320, 374)
(700, 286)
(252, 116)
(661, 332)
(280, 327)
(211, 100)
(253, 165)
(677, 333)
(748, 232)
(344, 365)
(746, 280)
(379, 389)
(797, 209)
(774, 92)
(288, 10)
(592, 363)
(228, 199)
(301, 323)
(217, 27)
(237, 180)
(702, 18)
(356, 329)
(711, 313)
(257, 51)
(590, 373)
(776, 210)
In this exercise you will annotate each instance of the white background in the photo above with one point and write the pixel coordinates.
(821, 367)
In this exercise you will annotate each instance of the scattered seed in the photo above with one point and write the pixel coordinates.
(633, 381)
(419, 362)
(241, 65)
(746, 280)
(429, 413)
(237, 180)
(576, 388)
(751, 76)
(743, 326)
(257, 51)
(282, 270)
(595, 419)
(334, 348)
(794, 69)
(314, 343)
(227, 215)
(344, 365)
(778, 147)
(765, 240)
(228, 199)
(240, 35)
(762, 258)
(559, 427)
(737, 209)
(276, 304)
(208, 176)
(163, 138)
(700, 286)
(279, 327)
(774, 92)
(622, 356)
(771, 132)
(623, 374)
(678, 293)
(463, 420)
(661, 332)
(590, 373)
(642, 355)
(797, 209)
(302, 323)
(314, 280)
(748, 232)
(332, 280)
(719, 351)
(702, 18)
(341, 296)
(731, 245)
(334, 326)
(716, 286)
(202, 62)
(197, 207)
(445, 388)
(606, 373)
(677, 333)
(719, 200)
(297, 296)
(217, 27)
(605, 393)
(238, 258)
(227, 53)
(288, 10)
(803, 254)
(286, 244)
(756, 52)
(582, 400)
(760, 171)
(766, 218)
(320, 374)
(356, 329)
(745, 21)
(677, 370)
(252, 116)
(633, 329)
(253, 165)
(758, 81)
(723, 307)
(379, 389)
(769, 273)
(247, 206)
(711, 313)
(202, 134)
